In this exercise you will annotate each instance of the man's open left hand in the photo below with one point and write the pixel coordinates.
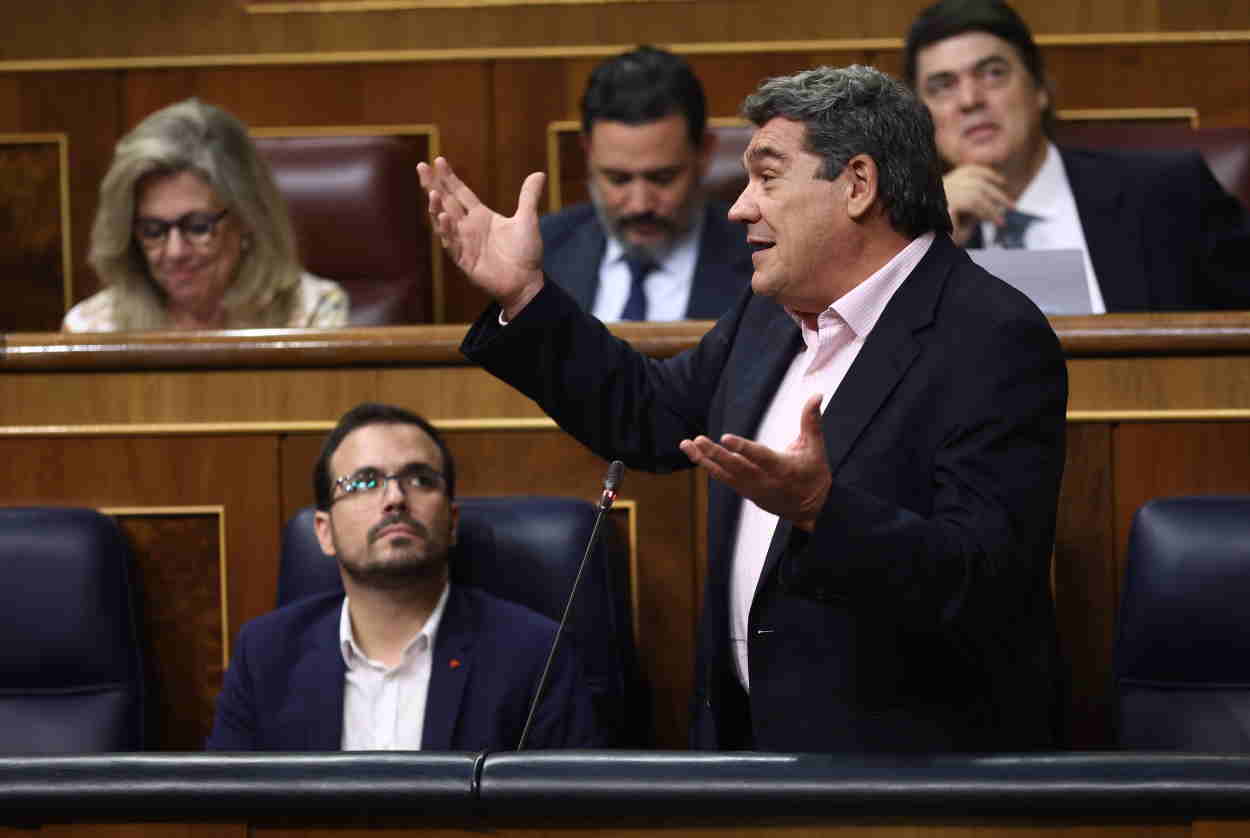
(792, 484)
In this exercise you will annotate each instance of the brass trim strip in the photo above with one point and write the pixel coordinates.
(1174, 415)
(67, 256)
(44, 65)
(630, 508)
(554, 176)
(31, 138)
(439, 300)
(1156, 38)
(246, 428)
(163, 511)
(225, 597)
(61, 140)
(1144, 114)
(354, 6)
(416, 129)
(517, 424)
(438, 294)
(172, 511)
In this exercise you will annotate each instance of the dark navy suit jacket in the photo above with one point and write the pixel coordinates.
(917, 616)
(574, 242)
(1163, 235)
(284, 688)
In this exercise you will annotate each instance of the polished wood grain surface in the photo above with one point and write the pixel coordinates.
(206, 27)
(1089, 337)
(640, 826)
(492, 107)
(82, 107)
(180, 561)
(30, 251)
(1084, 581)
(1160, 404)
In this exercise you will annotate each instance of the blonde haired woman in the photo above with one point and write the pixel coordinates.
(192, 233)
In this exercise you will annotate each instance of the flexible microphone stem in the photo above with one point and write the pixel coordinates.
(611, 483)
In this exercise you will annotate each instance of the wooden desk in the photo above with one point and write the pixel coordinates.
(203, 445)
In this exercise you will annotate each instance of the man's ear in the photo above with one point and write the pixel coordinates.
(861, 186)
(1043, 96)
(325, 536)
(455, 524)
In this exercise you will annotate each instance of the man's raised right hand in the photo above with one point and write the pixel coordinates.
(502, 256)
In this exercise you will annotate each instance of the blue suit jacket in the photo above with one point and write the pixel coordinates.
(1163, 235)
(917, 616)
(573, 245)
(284, 688)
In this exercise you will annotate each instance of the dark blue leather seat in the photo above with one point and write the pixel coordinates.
(1182, 651)
(71, 677)
(527, 550)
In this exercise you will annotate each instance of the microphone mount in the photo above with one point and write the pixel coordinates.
(611, 484)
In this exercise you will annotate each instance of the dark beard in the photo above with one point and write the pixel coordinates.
(394, 576)
(690, 212)
(404, 573)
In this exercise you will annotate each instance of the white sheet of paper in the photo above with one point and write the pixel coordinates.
(1053, 279)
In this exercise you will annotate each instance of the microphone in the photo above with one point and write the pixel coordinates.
(611, 485)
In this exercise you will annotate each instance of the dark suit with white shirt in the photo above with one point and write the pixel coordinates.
(1163, 235)
(574, 244)
(285, 685)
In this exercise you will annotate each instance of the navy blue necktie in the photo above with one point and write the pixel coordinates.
(1011, 234)
(636, 305)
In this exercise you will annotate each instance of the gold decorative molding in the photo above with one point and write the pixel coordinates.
(1102, 39)
(43, 65)
(433, 149)
(248, 428)
(554, 172)
(512, 424)
(628, 509)
(183, 512)
(561, 127)
(284, 7)
(1189, 115)
(61, 141)
(1177, 415)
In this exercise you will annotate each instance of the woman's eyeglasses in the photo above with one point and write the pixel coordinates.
(198, 228)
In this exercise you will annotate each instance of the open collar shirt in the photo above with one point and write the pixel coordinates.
(819, 367)
(384, 707)
(667, 287)
(1049, 199)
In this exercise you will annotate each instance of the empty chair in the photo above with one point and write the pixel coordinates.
(71, 680)
(526, 550)
(1182, 650)
(356, 206)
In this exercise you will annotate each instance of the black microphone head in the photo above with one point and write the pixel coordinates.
(616, 471)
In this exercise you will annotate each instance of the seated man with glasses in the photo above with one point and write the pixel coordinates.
(191, 233)
(406, 660)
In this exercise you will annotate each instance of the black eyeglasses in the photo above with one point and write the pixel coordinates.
(198, 228)
(372, 481)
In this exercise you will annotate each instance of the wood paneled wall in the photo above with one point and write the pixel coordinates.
(492, 101)
(1159, 405)
(71, 29)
